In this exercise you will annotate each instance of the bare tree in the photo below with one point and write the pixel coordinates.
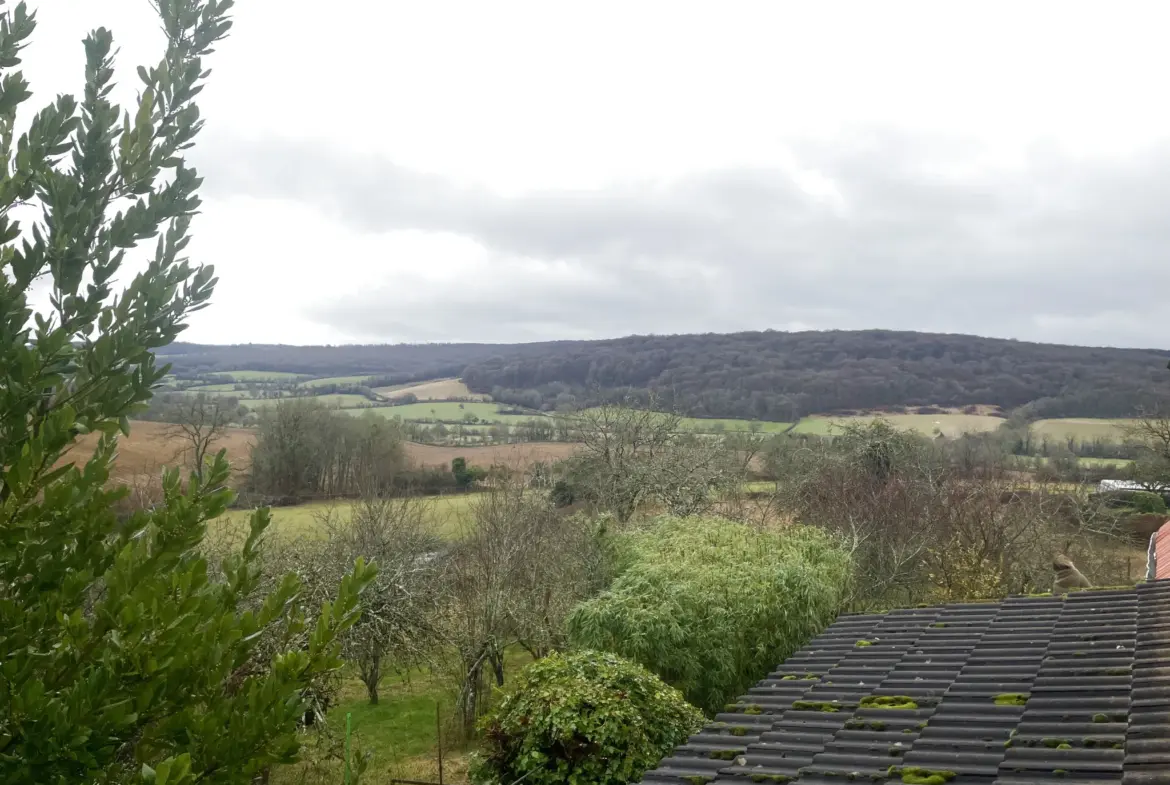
(925, 526)
(400, 608)
(200, 421)
(514, 574)
(1151, 432)
(635, 456)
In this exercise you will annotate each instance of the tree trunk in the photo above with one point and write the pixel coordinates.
(370, 669)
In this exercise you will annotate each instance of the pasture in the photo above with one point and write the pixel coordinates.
(438, 390)
(332, 401)
(328, 380)
(446, 516)
(712, 425)
(214, 388)
(452, 411)
(951, 425)
(261, 376)
(1081, 429)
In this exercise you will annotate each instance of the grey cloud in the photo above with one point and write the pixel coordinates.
(920, 240)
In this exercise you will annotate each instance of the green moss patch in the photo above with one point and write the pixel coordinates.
(888, 702)
(1012, 698)
(918, 776)
(816, 706)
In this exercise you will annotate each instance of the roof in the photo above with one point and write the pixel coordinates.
(1160, 548)
(1091, 673)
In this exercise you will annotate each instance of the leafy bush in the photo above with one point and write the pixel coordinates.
(711, 605)
(1147, 503)
(588, 718)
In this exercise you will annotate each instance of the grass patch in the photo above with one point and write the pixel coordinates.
(332, 401)
(950, 425)
(446, 514)
(328, 380)
(453, 411)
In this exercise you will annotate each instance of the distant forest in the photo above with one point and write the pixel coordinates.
(759, 375)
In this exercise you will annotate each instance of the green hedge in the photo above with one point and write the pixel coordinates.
(711, 605)
(588, 718)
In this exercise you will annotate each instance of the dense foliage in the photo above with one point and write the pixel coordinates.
(711, 605)
(123, 661)
(783, 376)
(588, 718)
(386, 364)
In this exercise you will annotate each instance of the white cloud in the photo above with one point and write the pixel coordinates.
(524, 133)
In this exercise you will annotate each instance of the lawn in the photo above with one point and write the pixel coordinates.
(950, 424)
(401, 730)
(447, 515)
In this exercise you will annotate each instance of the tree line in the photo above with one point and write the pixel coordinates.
(783, 376)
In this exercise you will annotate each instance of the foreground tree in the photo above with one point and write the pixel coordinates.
(123, 662)
(589, 718)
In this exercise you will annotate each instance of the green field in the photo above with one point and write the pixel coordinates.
(333, 400)
(1081, 429)
(949, 424)
(261, 376)
(447, 514)
(451, 411)
(710, 425)
(213, 388)
(335, 380)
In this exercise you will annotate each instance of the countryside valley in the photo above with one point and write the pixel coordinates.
(716, 555)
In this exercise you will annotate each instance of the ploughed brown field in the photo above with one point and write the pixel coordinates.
(151, 446)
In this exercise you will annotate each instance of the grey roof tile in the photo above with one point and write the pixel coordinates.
(1092, 672)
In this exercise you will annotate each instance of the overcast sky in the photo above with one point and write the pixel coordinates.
(432, 171)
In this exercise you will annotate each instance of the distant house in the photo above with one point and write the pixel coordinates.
(1072, 690)
(1159, 567)
(1126, 485)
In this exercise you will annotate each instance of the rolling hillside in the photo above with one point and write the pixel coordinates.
(772, 376)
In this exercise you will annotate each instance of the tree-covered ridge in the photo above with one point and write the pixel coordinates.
(760, 375)
(783, 376)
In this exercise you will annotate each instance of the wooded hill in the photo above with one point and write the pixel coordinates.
(763, 375)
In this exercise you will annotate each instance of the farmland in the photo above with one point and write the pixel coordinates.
(1081, 429)
(438, 390)
(450, 411)
(331, 400)
(949, 425)
(261, 376)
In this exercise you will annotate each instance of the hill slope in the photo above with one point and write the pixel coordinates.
(782, 376)
(762, 375)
